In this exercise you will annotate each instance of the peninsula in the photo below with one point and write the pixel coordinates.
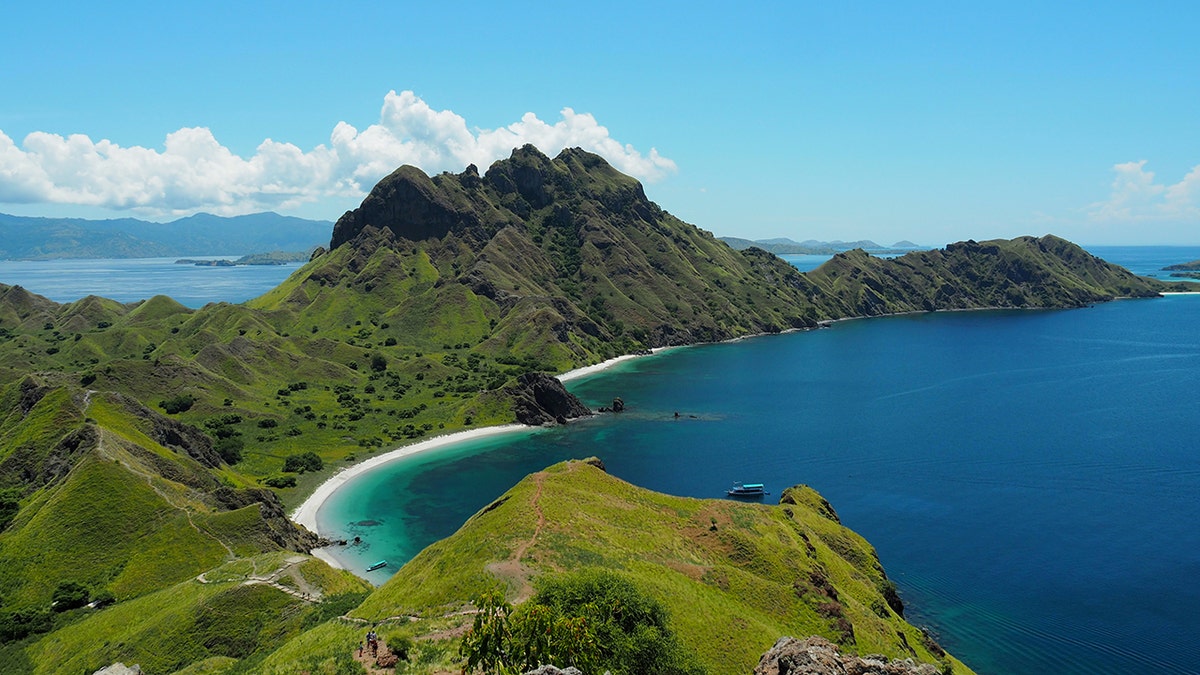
(149, 452)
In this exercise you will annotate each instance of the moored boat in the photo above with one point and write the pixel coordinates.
(746, 490)
(381, 563)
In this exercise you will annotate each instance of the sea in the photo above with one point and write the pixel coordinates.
(1030, 479)
(134, 279)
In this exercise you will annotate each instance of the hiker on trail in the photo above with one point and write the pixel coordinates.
(360, 649)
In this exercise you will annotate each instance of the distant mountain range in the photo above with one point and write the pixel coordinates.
(28, 238)
(784, 246)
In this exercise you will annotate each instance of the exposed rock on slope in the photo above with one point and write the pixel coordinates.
(818, 656)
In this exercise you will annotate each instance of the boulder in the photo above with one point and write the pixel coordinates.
(541, 399)
(818, 656)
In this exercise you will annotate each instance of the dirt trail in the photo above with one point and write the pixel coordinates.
(102, 434)
(513, 570)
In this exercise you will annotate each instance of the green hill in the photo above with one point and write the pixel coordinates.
(733, 576)
(143, 444)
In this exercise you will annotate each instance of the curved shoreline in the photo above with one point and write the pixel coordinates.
(306, 514)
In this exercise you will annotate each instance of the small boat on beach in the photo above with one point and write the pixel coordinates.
(746, 490)
(378, 565)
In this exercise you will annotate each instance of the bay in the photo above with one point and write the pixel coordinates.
(1029, 478)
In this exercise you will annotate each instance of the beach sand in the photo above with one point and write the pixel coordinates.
(306, 513)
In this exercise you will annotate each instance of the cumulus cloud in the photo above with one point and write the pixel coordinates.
(194, 172)
(1138, 196)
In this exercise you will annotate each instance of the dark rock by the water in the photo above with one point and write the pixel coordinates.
(618, 405)
(542, 399)
(818, 656)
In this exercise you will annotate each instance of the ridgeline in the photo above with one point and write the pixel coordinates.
(148, 451)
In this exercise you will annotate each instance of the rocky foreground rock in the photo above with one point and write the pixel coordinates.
(818, 656)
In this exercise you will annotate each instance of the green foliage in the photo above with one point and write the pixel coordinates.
(10, 503)
(305, 461)
(18, 624)
(69, 595)
(230, 449)
(280, 482)
(177, 404)
(593, 620)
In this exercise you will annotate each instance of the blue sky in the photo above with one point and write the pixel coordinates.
(929, 121)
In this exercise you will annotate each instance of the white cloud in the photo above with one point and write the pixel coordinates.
(1137, 196)
(194, 172)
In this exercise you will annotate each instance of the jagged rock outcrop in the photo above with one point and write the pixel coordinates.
(555, 670)
(119, 669)
(275, 525)
(541, 399)
(175, 434)
(818, 656)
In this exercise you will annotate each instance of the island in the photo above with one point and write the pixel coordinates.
(150, 453)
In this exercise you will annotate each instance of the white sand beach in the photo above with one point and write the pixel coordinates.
(604, 365)
(306, 513)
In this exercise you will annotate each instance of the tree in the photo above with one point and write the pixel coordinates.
(177, 404)
(69, 595)
(305, 461)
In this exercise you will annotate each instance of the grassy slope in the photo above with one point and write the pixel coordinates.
(551, 277)
(190, 622)
(765, 571)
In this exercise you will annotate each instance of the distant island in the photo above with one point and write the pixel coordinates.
(785, 246)
(272, 258)
(150, 452)
(28, 238)
(1187, 266)
(1187, 270)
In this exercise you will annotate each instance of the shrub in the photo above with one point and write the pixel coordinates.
(281, 481)
(103, 597)
(10, 503)
(230, 449)
(69, 595)
(16, 625)
(177, 404)
(305, 461)
(267, 423)
(593, 620)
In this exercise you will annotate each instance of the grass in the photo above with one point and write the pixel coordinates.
(765, 571)
(388, 341)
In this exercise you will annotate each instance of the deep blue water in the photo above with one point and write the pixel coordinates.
(133, 279)
(1030, 479)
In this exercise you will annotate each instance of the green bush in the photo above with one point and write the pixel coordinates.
(305, 461)
(19, 624)
(593, 620)
(10, 503)
(69, 595)
(230, 449)
(280, 482)
(177, 404)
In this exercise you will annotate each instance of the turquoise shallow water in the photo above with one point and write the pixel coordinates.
(1030, 479)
